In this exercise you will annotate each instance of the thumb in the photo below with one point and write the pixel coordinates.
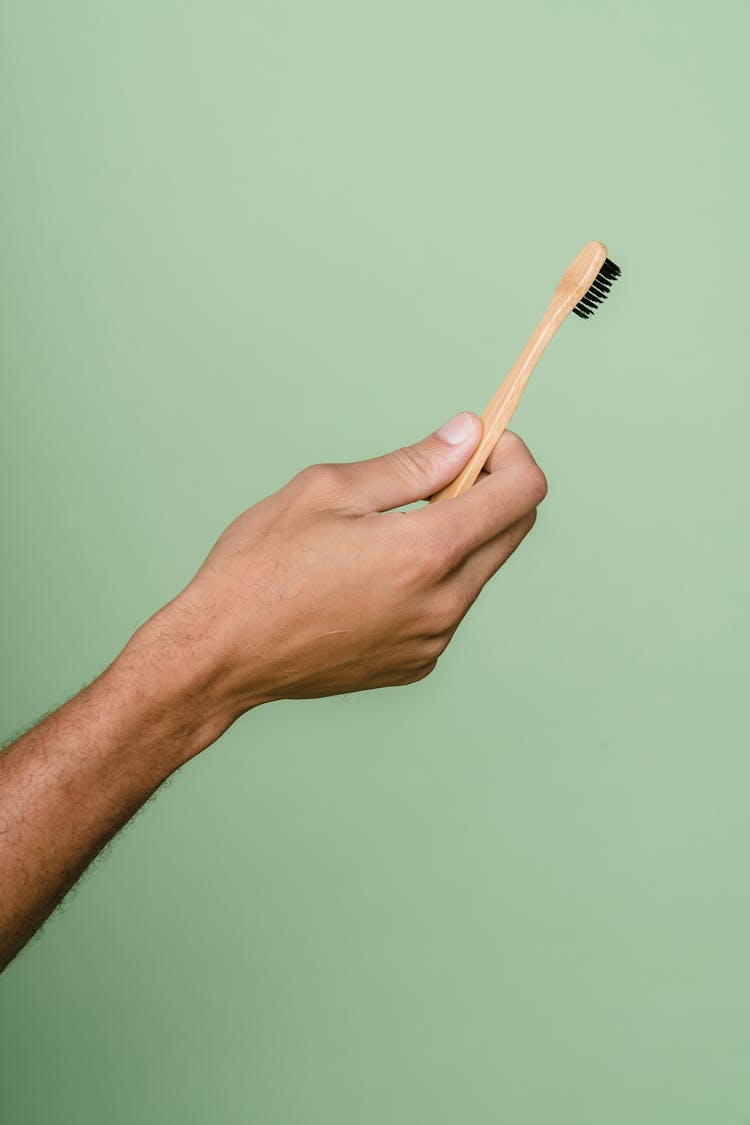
(414, 472)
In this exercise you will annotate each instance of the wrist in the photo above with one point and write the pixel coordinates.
(176, 670)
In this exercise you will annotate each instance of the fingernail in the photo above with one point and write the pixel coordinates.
(458, 430)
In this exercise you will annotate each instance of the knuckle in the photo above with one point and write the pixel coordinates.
(411, 461)
(445, 612)
(437, 644)
(420, 672)
(537, 482)
(319, 479)
(529, 521)
(529, 482)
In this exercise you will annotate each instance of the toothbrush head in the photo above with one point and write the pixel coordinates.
(598, 290)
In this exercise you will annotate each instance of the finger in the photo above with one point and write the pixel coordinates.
(413, 472)
(495, 502)
(509, 449)
(485, 562)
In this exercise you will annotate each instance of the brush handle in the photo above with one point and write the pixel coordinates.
(574, 284)
(501, 407)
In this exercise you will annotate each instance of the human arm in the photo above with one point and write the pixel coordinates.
(317, 590)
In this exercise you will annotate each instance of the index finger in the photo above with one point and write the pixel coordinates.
(511, 488)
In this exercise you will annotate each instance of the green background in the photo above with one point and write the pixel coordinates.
(241, 237)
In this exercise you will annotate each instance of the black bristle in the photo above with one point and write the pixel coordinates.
(599, 289)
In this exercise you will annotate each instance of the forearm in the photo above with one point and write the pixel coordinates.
(70, 783)
(321, 589)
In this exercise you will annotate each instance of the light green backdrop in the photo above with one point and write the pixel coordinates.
(241, 237)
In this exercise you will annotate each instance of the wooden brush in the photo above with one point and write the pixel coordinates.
(583, 287)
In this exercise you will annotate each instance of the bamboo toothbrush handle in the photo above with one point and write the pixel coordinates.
(500, 408)
(581, 281)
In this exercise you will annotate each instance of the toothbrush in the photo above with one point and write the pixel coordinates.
(584, 285)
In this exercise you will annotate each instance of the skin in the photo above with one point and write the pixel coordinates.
(317, 590)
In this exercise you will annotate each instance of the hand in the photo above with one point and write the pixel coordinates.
(322, 588)
(319, 589)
